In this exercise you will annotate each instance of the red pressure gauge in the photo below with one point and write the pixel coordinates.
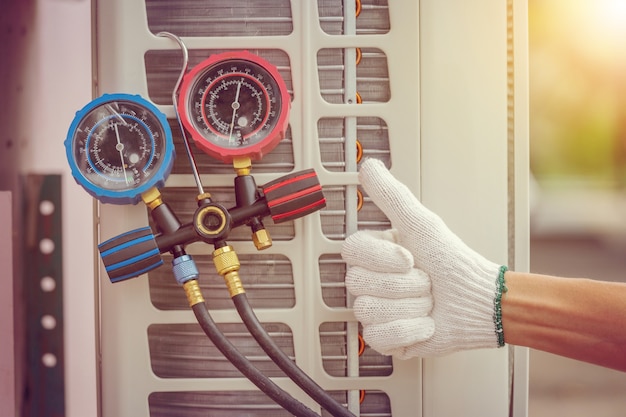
(234, 105)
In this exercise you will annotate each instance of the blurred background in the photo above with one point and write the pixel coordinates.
(578, 166)
(578, 163)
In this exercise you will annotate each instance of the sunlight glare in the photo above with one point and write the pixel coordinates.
(598, 28)
(612, 15)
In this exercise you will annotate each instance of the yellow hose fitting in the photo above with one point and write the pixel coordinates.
(193, 292)
(233, 283)
(203, 196)
(227, 265)
(242, 165)
(152, 198)
(262, 239)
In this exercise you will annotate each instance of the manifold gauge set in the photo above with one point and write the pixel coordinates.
(235, 106)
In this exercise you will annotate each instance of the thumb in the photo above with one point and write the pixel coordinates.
(390, 195)
(421, 231)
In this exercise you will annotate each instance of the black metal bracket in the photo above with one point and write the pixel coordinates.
(44, 388)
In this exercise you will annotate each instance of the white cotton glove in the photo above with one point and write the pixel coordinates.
(420, 291)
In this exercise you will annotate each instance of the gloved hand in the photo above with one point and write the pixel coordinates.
(420, 291)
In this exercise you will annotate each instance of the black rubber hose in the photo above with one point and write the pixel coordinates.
(265, 384)
(283, 361)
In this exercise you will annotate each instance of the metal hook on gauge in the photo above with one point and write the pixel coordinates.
(192, 161)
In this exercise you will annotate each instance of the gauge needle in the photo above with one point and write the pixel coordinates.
(120, 148)
(116, 114)
(235, 107)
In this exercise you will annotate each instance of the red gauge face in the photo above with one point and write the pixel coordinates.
(235, 104)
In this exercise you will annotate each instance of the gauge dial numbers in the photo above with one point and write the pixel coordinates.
(235, 104)
(118, 147)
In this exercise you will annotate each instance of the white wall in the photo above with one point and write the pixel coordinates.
(48, 45)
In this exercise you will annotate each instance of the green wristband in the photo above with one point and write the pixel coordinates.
(497, 314)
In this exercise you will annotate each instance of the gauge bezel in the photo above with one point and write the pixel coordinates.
(212, 146)
(131, 194)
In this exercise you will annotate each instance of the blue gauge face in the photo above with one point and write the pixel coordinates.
(119, 146)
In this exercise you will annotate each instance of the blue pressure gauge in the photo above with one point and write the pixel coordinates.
(118, 147)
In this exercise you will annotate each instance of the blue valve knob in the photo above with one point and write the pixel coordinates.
(130, 254)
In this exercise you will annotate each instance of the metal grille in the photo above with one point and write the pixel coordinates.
(334, 216)
(334, 339)
(371, 75)
(247, 403)
(373, 17)
(220, 18)
(372, 141)
(213, 404)
(183, 351)
(332, 274)
(268, 279)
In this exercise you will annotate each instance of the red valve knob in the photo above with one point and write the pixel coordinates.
(294, 196)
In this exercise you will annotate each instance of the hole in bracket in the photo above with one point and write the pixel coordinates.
(46, 246)
(48, 322)
(49, 360)
(48, 284)
(46, 208)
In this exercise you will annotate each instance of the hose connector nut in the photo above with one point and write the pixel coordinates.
(226, 260)
(185, 269)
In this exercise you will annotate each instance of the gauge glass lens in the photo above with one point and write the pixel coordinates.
(119, 145)
(234, 104)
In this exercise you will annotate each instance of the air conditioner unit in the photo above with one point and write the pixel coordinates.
(435, 89)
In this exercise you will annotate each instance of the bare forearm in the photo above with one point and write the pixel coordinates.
(577, 318)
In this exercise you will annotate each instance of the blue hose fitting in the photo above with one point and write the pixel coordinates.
(185, 269)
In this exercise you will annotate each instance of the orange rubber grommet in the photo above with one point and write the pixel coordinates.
(359, 206)
(361, 345)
